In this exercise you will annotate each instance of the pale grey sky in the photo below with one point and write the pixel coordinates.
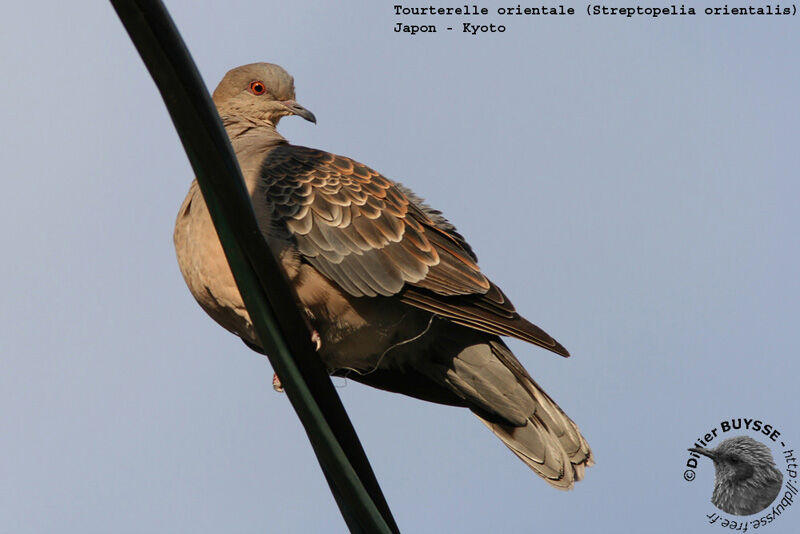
(631, 184)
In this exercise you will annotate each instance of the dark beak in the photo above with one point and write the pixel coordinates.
(300, 111)
(704, 452)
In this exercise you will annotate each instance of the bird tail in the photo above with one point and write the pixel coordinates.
(501, 393)
(560, 455)
(550, 443)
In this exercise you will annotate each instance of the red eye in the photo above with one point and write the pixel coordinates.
(257, 88)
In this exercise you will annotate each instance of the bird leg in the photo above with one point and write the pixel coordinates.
(276, 383)
(317, 341)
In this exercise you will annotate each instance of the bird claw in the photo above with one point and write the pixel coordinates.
(276, 383)
(316, 340)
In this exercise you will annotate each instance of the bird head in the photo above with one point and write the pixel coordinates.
(738, 459)
(260, 93)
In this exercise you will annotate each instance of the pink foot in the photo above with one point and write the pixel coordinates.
(316, 340)
(276, 383)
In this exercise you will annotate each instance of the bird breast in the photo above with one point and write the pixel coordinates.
(356, 333)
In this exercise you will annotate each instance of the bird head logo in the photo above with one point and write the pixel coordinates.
(746, 479)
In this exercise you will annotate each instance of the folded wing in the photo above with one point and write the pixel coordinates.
(376, 238)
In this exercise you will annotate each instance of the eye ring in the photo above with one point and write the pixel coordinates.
(258, 88)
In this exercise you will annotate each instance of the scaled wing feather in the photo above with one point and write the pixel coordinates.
(375, 237)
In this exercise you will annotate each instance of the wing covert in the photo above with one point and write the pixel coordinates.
(375, 237)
